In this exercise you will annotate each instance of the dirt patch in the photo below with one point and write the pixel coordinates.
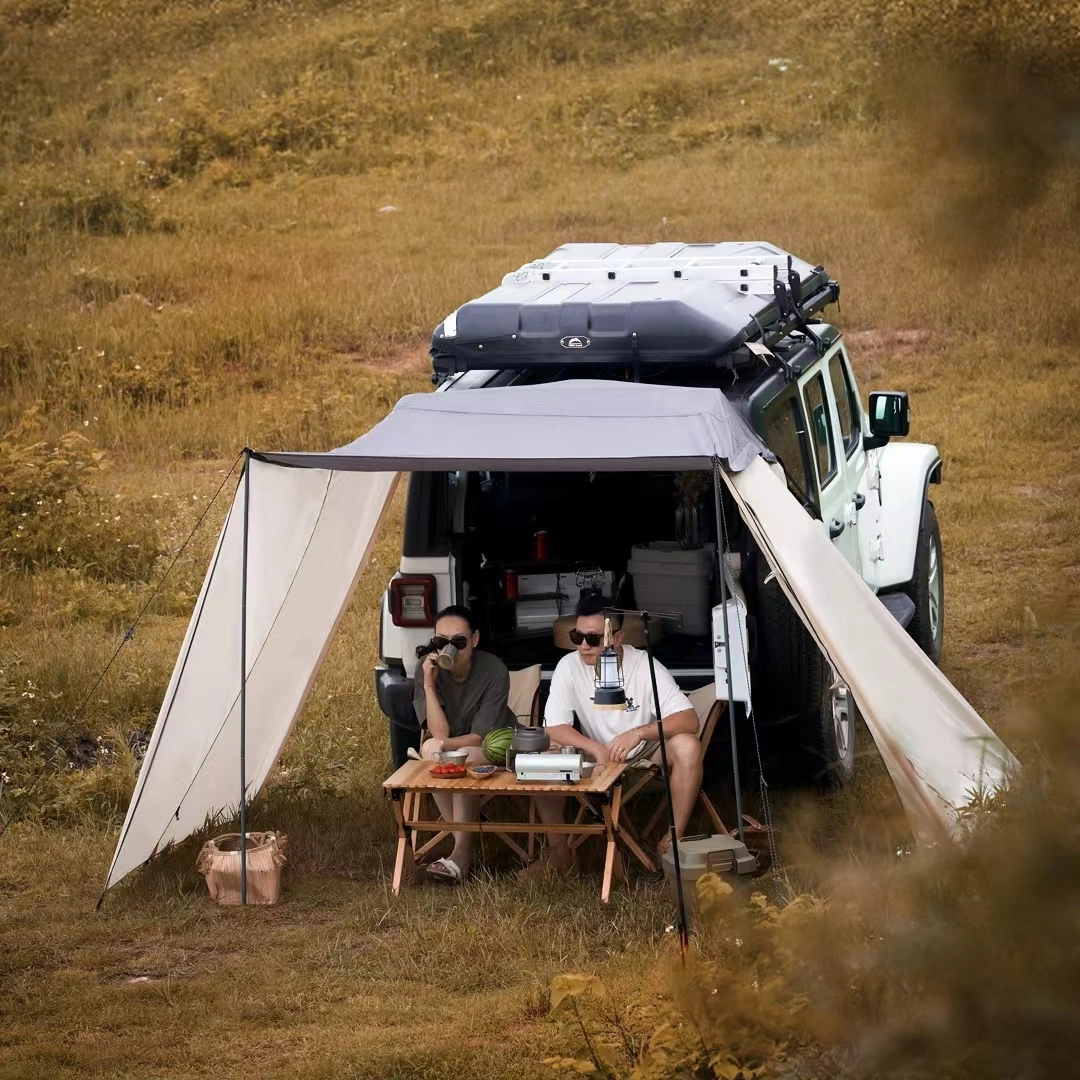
(405, 360)
(874, 346)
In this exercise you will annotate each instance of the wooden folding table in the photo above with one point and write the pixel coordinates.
(413, 780)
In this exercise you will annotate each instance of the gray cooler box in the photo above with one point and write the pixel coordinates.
(717, 854)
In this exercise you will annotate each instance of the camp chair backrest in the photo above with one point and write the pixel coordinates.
(524, 698)
(703, 699)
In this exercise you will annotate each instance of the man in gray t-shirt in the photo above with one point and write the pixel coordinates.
(459, 707)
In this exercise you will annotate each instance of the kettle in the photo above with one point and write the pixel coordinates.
(526, 740)
(530, 740)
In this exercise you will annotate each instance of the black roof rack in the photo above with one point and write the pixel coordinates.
(634, 305)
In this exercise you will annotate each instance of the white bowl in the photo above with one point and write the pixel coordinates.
(454, 757)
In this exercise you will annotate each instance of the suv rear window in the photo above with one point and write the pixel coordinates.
(786, 438)
(847, 410)
(817, 406)
(427, 515)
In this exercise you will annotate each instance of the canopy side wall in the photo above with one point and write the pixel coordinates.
(937, 749)
(310, 536)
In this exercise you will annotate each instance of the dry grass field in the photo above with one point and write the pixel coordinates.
(234, 223)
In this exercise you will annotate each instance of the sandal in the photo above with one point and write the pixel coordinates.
(445, 870)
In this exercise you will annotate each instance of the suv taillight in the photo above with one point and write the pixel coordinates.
(412, 600)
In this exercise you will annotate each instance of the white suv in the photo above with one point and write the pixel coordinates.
(518, 547)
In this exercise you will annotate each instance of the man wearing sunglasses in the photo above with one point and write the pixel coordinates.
(459, 706)
(619, 735)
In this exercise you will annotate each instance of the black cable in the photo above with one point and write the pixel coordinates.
(129, 633)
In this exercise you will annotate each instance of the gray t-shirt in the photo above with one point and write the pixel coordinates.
(475, 706)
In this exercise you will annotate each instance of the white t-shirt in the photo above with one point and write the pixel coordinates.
(573, 685)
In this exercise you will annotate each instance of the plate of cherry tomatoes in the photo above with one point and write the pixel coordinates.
(445, 771)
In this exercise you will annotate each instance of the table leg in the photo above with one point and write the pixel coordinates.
(408, 808)
(532, 835)
(399, 861)
(611, 820)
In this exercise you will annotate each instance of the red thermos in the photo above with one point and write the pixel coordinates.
(510, 585)
(540, 545)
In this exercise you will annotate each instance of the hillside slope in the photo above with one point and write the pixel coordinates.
(234, 223)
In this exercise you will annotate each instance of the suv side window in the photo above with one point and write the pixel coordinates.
(817, 408)
(847, 408)
(785, 436)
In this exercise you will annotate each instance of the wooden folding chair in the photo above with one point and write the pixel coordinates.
(709, 711)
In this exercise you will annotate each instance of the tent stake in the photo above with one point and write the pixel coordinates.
(243, 681)
(720, 541)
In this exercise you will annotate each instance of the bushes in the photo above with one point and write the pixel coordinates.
(50, 516)
(939, 965)
(292, 129)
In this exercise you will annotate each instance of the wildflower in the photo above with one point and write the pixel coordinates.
(4, 778)
(86, 423)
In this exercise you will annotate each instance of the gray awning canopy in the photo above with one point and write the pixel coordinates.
(570, 426)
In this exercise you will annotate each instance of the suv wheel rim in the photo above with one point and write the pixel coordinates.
(841, 717)
(934, 591)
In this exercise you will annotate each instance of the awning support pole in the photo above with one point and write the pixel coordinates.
(721, 540)
(243, 681)
(684, 923)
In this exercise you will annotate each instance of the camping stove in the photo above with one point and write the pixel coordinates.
(551, 768)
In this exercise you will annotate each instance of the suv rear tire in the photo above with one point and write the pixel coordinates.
(793, 689)
(927, 587)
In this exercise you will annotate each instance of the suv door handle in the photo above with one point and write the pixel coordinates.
(860, 500)
(835, 529)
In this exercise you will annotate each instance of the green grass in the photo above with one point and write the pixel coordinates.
(194, 258)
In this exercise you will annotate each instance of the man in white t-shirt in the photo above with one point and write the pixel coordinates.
(614, 735)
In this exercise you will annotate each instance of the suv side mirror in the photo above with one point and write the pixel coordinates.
(890, 415)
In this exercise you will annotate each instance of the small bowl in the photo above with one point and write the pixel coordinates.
(482, 772)
(454, 757)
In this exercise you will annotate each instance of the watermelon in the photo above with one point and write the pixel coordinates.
(496, 743)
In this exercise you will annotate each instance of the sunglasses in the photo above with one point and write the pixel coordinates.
(577, 637)
(459, 641)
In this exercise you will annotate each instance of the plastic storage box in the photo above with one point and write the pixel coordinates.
(670, 578)
(717, 854)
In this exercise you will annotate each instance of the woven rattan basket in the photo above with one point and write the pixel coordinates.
(219, 863)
